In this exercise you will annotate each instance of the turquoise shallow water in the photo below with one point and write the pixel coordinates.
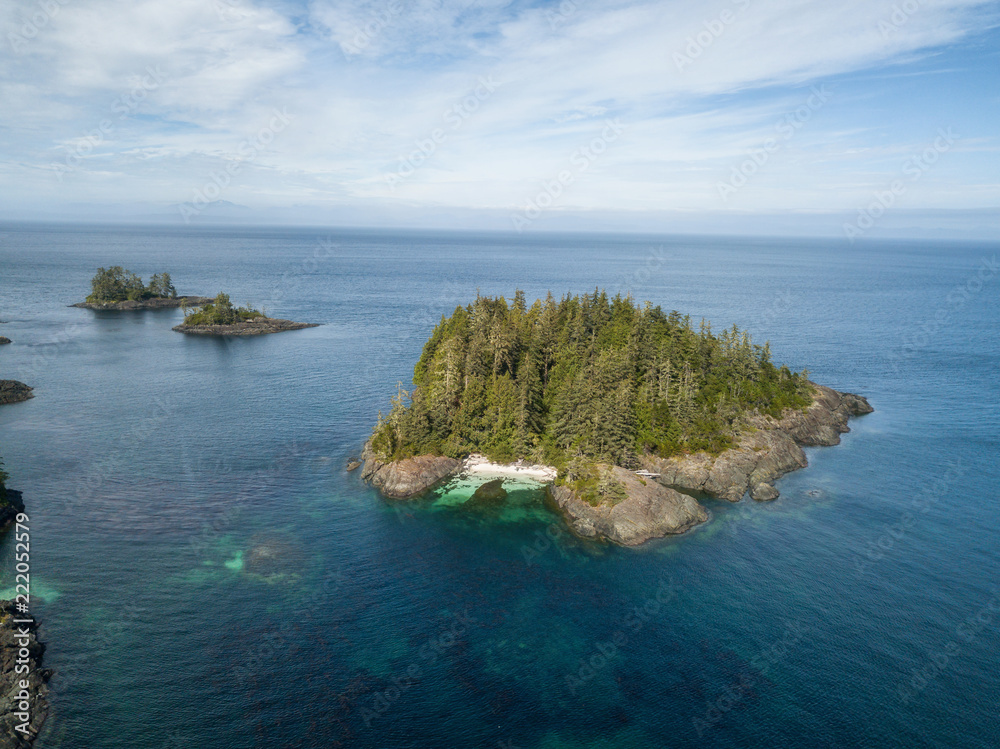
(210, 575)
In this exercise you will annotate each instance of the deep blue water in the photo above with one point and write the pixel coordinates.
(157, 467)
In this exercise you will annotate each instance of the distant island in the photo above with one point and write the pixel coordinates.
(117, 288)
(12, 391)
(220, 318)
(632, 408)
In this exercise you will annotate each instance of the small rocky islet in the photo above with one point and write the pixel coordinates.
(253, 326)
(12, 391)
(118, 289)
(644, 489)
(220, 318)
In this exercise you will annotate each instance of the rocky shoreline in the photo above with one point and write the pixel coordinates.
(154, 303)
(650, 511)
(767, 449)
(657, 501)
(12, 391)
(11, 504)
(260, 326)
(405, 479)
(23, 682)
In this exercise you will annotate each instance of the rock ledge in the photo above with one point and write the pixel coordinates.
(12, 391)
(404, 479)
(260, 326)
(154, 303)
(15, 638)
(768, 449)
(650, 511)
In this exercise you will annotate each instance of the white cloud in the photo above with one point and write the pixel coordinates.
(367, 82)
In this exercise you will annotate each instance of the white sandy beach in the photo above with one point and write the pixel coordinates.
(480, 464)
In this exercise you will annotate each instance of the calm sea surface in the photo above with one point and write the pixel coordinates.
(209, 575)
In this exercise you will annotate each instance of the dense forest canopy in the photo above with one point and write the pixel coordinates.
(585, 376)
(117, 284)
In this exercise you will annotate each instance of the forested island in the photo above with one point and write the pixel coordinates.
(220, 318)
(634, 407)
(117, 288)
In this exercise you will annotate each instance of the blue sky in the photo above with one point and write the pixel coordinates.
(756, 115)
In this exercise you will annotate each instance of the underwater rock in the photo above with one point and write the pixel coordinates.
(490, 493)
(273, 555)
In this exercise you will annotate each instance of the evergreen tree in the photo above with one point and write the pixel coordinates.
(160, 285)
(115, 284)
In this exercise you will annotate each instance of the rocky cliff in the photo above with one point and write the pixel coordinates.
(403, 479)
(767, 449)
(23, 682)
(10, 505)
(650, 510)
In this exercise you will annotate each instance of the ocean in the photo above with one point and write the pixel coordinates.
(209, 575)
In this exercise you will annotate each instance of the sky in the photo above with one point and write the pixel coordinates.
(851, 118)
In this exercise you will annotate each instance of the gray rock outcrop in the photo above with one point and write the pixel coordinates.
(767, 449)
(403, 479)
(10, 505)
(260, 326)
(23, 682)
(650, 510)
(12, 391)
